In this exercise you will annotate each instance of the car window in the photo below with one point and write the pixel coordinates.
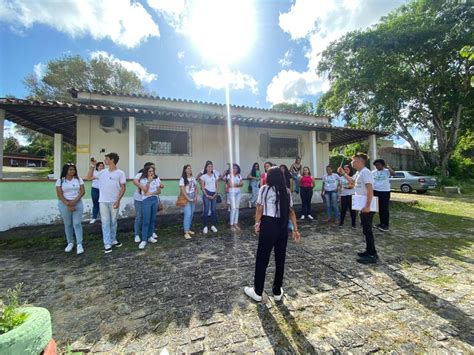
(399, 175)
(415, 173)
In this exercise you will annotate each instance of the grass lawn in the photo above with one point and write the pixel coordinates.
(25, 172)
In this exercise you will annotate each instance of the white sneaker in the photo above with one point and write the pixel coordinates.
(214, 229)
(249, 291)
(278, 297)
(310, 217)
(137, 239)
(142, 245)
(92, 221)
(80, 249)
(302, 217)
(69, 247)
(154, 236)
(205, 230)
(187, 236)
(152, 240)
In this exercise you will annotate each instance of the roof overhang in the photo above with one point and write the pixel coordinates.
(50, 117)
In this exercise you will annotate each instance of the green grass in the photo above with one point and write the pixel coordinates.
(442, 280)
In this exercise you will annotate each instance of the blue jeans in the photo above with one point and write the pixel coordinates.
(234, 207)
(296, 179)
(72, 221)
(149, 208)
(138, 217)
(188, 213)
(108, 215)
(209, 205)
(95, 202)
(254, 185)
(332, 207)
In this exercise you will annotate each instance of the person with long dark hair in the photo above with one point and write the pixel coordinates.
(347, 190)
(234, 183)
(187, 185)
(274, 210)
(95, 192)
(209, 186)
(287, 175)
(150, 189)
(296, 171)
(306, 192)
(137, 203)
(329, 191)
(263, 176)
(70, 189)
(254, 178)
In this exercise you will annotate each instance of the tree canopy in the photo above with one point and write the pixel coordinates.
(305, 107)
(412, 70)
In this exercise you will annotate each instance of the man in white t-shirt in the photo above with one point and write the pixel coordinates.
(382, 175)
(364, 186)
(112, 188)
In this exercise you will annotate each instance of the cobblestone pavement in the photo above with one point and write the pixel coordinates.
(186, 296)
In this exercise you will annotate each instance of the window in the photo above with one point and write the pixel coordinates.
(415, 173)
(399, 175)
(279, 146)
(163, 140)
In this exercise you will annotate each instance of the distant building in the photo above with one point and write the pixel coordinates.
(23, 159)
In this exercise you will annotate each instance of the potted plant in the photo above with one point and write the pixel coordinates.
(24, 329)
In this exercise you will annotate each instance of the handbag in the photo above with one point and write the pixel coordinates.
(218, 198)
(181, 201)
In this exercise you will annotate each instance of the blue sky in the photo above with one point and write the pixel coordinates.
(155, 39)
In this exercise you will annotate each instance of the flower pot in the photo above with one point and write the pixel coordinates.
(31, 337)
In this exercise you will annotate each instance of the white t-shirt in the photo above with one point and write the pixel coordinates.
(381, 179)
(216, 173)
(137, 194)
(109, 184)
(154, 186)
(209, 182)
(95, 182)
(330, 182)
(361, 178)
(269, 208)
(71, 188)
(191, 186)
(345, 184)
(237, 180)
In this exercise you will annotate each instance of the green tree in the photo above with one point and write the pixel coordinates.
(305, 107)
(407, 72)
(11, 145)
(72, 71)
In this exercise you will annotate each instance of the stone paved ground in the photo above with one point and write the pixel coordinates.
(186, 296)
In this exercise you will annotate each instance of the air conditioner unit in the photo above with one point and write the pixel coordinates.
(323, 137)
(113, 124)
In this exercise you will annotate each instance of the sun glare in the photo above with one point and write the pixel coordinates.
(223, 30)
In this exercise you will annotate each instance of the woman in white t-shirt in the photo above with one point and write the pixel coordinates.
(70, 189)
(95, 192)
(347, 190)
(150, 189)
(209, 185)
(274, 210)
(234, 183)
(188, 187)
(329, 191)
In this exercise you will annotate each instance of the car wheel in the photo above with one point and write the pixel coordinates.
(406, 189)
(420, 192)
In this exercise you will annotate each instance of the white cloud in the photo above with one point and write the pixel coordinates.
(290, 86)
(135, 67)
(286, 61)
(172, 11)
(181, 55)
(39, 70)
(124, 22)
(214, 79)
(320, 23)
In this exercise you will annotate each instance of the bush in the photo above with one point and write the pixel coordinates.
(10, 316)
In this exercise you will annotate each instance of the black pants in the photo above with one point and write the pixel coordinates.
(306, 196)
(384, 205)
(272, 235)
(366, 221)
(346, 205)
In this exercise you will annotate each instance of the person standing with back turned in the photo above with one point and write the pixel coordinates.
(364, 186)
(111, 190)
(274, 209)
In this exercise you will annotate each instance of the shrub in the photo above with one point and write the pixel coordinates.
(10, 316)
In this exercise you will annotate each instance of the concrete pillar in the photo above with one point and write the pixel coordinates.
(325, 157)
(314, 152)
(2, 127)
(83, 143)
(372, 147)
(237, 143)
(58, 154)
(132, 146)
